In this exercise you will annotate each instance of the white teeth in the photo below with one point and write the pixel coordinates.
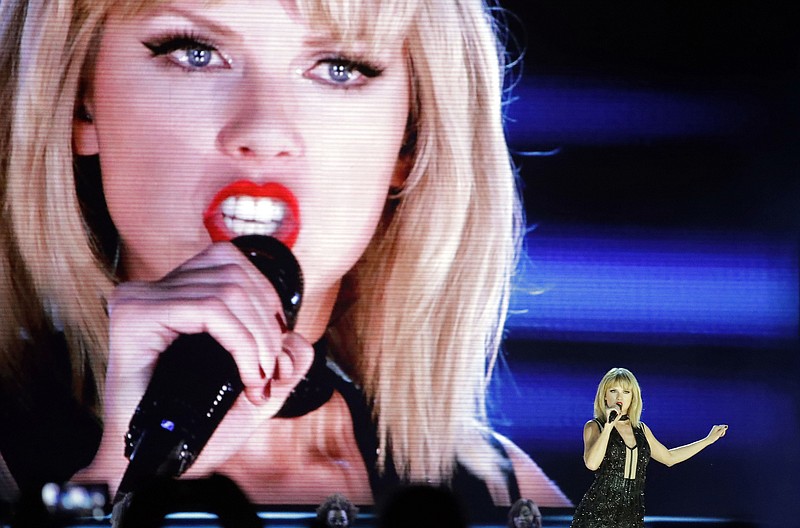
(267, 208)
(229, 207)
(248, 215)
(245, 208)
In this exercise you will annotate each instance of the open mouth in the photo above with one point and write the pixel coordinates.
(248, 208)
(248, 215)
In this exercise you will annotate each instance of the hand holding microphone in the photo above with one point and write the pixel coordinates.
(216, 293)
(612, 416)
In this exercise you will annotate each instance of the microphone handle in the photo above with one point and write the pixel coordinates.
(195, 383)
(612, 415)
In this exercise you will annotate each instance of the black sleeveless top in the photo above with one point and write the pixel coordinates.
(616, 497)
(47, 436)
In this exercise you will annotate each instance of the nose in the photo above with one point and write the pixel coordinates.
(262, 122)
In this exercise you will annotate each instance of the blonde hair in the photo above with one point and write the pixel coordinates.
(624, 378)
(47, 44)
(423, 344)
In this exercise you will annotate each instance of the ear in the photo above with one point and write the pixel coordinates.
(84, 131)
(405, 161)
(401, 171)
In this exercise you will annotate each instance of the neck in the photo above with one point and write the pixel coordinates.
(315, 313)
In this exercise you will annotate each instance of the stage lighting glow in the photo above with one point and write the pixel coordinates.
(645, 286)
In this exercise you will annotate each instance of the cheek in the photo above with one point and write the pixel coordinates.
(352, 171)
(338, 227)
(152, 152)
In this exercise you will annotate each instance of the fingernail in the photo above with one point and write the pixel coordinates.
(276, 374)
(281, 323)
(267, 391)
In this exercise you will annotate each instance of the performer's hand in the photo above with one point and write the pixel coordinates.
(220, 292)
(609, 410)
(717, 432)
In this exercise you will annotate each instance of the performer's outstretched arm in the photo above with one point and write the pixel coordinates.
(670, 457)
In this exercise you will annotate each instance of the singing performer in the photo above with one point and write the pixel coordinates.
(618, 447)
(138, 138)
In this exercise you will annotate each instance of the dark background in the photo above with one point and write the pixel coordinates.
(671, 128)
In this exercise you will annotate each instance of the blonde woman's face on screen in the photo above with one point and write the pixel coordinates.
(237, 117)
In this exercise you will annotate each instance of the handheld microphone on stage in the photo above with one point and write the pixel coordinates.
(196, 381)
(614, 414)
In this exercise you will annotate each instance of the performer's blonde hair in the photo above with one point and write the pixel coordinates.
(625, 379)
(422, 322)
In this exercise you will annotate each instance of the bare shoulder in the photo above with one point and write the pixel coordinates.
(591, 432)
(533, 483)
(592, 425)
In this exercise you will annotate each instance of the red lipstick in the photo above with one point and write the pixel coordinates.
(288, 228)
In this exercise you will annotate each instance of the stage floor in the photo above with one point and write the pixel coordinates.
(297, 519)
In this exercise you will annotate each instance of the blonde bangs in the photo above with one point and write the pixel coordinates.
(372, 22)
(121, 8)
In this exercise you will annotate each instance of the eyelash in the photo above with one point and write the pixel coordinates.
(350, 65)
(170, 43)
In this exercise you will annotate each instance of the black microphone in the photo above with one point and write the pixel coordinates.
(613, 414)
(196, 381)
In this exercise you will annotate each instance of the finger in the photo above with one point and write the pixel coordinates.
(293, 363)
(210, 315)
(298, 354)
(284, 366)
(230, 285)
(225, 260)
(257, 311)
(251, 293)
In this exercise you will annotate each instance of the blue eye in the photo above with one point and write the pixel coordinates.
(198, 57)
(342, 72)
(189, 52)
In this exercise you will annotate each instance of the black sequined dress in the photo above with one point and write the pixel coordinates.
(616, 497)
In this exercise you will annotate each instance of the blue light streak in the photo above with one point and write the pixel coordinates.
(634, 285)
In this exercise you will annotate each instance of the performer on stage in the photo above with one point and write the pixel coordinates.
(138, 138)
(618, 447)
